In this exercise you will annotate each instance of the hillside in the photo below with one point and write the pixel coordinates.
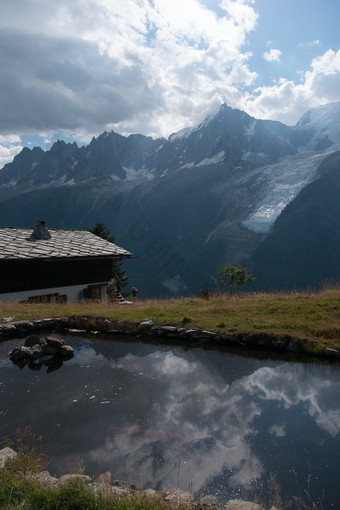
(207, 196)
(304, 248)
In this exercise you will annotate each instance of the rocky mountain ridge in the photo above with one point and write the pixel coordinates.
(206, 196)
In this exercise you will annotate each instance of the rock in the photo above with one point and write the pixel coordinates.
(146, 324)
(8, 329)
(65, 479)
(7, 319)
(50, 349)
(53, 365)
(209, 502)
(37, 352)
(332, 352)
(35, 365)
(238, 504)
(17, 355)
(20, 353)
(178, 497)
(33, 340)
(208, 334)
(54, 342)
(66, 351)
(119, 491)
(102, 489)
(44, 478)
(150, 493)
(104, 479)
(170, 329)
(47, 360)
(6, 454)
(229, 338)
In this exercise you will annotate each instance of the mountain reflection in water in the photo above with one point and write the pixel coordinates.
(166, 417)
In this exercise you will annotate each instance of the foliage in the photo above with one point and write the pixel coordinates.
(204, 294)
(230, 278)
(100, 230)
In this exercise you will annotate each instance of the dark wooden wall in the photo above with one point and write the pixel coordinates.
(18, 275)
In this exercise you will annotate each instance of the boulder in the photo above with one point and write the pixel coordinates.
(104, 478)
(53, 365)
(33, 340)
(6, 454)
(54, 342)
(65, 479)
(35, 365)
(178, 497)
(238, 504)
(150, 493)
(18, 354)
(66, 351)
(44, 478)
(37, 352)
(146, 325)
(209, 502)
(50, 349)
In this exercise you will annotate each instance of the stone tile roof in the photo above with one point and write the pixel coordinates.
(18, 243)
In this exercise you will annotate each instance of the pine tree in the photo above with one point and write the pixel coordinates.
(100, 230)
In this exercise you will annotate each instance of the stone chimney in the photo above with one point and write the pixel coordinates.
(40, 232)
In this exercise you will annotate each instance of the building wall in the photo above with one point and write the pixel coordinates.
(24, 275)
(69, 294)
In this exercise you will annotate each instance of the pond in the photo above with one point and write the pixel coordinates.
(159, 416)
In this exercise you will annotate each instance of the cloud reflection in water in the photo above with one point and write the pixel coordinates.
(168, 417)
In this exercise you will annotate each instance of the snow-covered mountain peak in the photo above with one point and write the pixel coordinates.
(324, 121)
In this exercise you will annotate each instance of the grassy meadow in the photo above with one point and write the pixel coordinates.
(300, 315)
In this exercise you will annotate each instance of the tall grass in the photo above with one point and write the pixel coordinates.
(18, 489)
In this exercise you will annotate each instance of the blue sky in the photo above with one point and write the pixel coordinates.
(75, 69)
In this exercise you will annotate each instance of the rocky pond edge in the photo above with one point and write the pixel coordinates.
(149, 331)
(104, 485)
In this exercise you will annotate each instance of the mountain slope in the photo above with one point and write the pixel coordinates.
(304, 247)
(205, 197)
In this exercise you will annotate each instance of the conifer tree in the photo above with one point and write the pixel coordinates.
(101, 230)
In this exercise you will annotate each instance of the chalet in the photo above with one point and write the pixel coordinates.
(56, 265)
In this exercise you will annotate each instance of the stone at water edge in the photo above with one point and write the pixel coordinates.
(54, 342)
(178, 497)
(33, 340)
(66, 351)
(238, 504)
(44, 478)
(6, 454)
(104, 478)
(210, 502)
(65, 479)
(36, 353)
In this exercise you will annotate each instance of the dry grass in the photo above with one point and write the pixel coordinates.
(304, 315)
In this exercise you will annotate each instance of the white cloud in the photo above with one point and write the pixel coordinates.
(9, 147)
(272, 55)
(287, 101)
(132, 65)
(151, 67)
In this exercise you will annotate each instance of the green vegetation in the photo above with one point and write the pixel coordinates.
(19, 489)
(303, 316)
(100, 230)
(231, 278)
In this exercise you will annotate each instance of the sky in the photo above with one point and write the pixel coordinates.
(74, 69)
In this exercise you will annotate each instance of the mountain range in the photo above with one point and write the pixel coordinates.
(232, 189)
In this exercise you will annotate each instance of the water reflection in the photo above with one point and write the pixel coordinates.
(159, 417)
